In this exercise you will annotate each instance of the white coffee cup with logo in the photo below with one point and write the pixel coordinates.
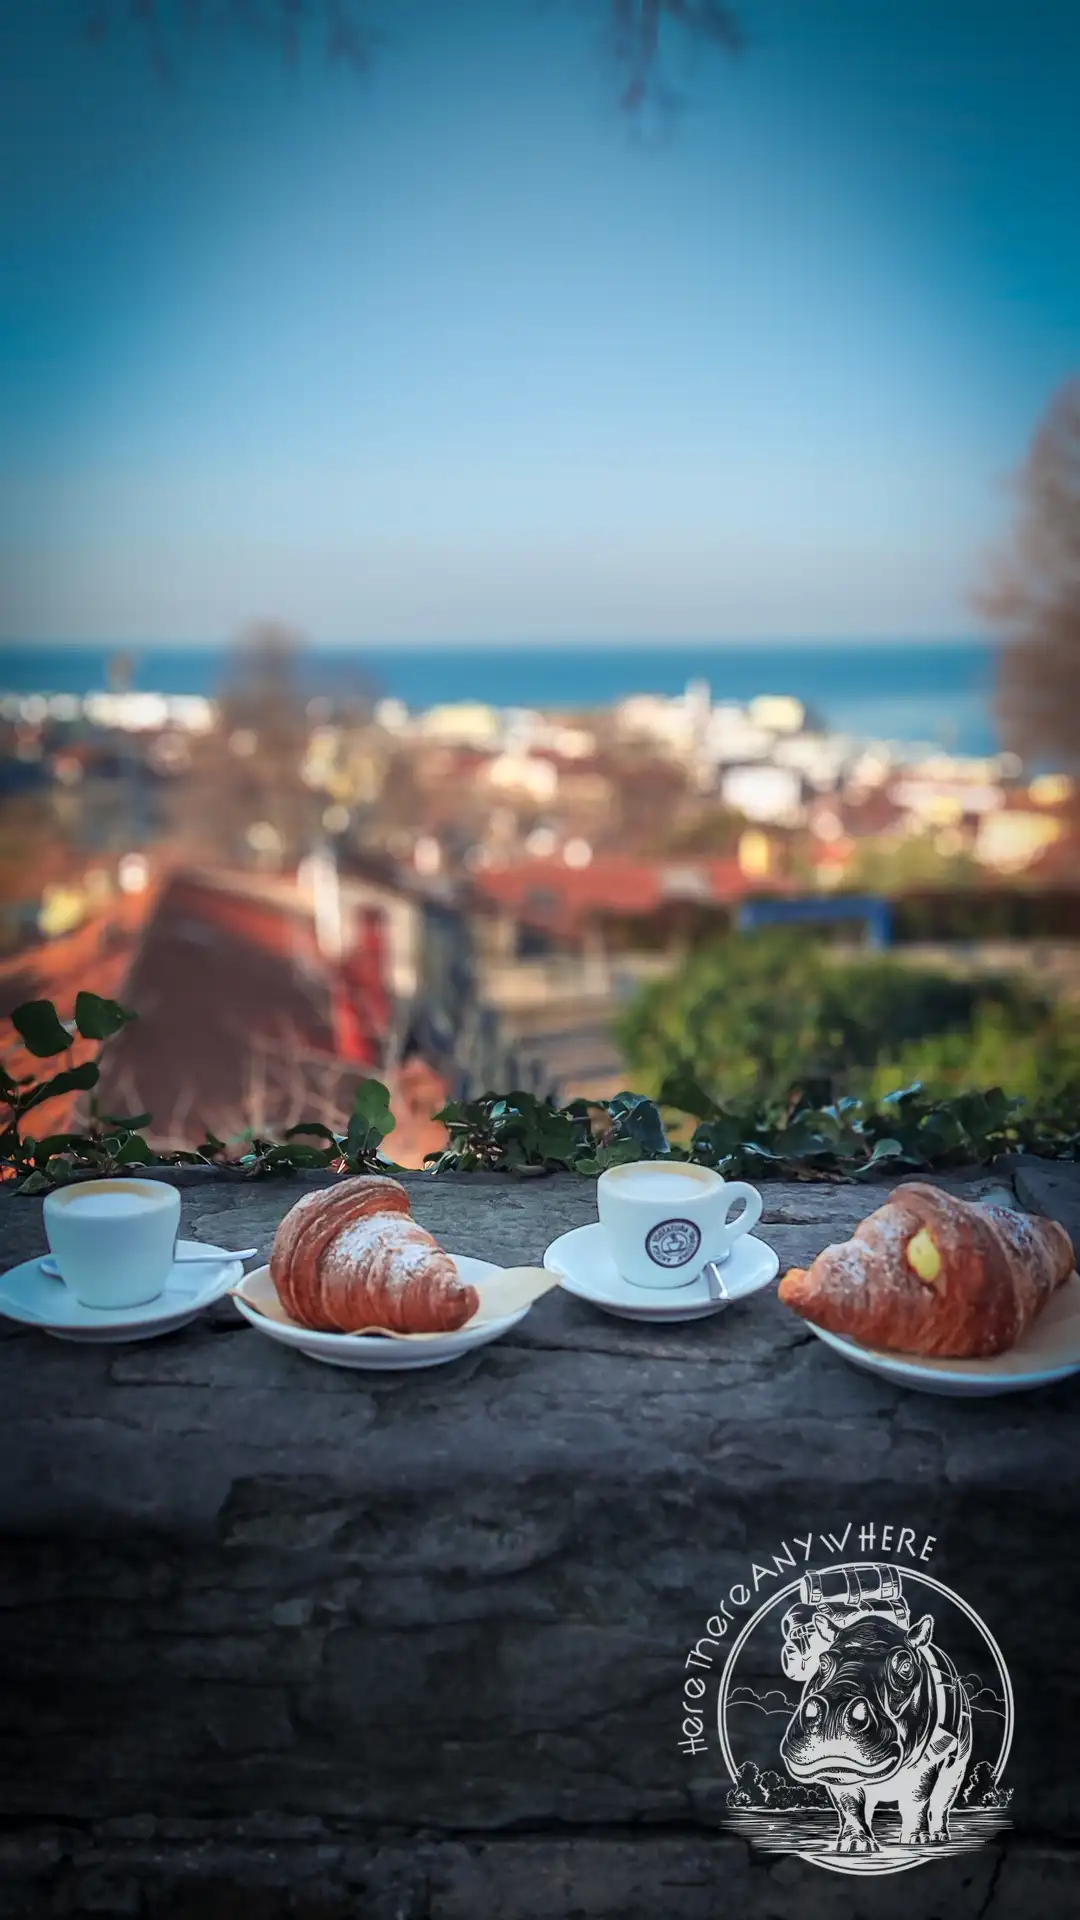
(663, 1222)
(113, 1240)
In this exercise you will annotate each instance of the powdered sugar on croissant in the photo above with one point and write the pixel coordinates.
(933, 1274)
(351, 1256)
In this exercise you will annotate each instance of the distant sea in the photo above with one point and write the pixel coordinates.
(938, 692)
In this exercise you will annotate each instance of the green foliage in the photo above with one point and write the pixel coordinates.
(850, 1139)
(109, 1143)
(1040, 1062)
(515, 1132)
(519, 1133)
(40, 1028)
(755, 1015)
(744, 1130)
(370, 1122)
(99, 1019)
(908, 1130)
(357, 1150)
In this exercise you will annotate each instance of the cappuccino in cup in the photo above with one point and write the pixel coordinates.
(113, 1240)
(663, 1223)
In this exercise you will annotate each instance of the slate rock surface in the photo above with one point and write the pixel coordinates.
(314, 1642)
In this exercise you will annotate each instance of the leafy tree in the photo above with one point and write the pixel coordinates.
(980, 1789)
(1038, 1060)
(887, 863)
(264, 729)
(755, 1015)
(1035, 595)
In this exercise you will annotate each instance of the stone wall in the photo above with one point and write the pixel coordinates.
(281, 1640)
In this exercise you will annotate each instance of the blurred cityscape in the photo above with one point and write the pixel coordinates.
(296, 891)
(658, 478)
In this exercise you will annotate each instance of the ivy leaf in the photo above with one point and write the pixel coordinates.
(883, 1151)
(314, 1128)
(718, 1136)
(99, 1019)
(903, 1095)
(941, 1132)
(298, 1156)
(372, 1104)
(132, 1122)
(806, 1138)
(619, 1153)
(59, 1143)
(638, 1120)
(71, 1080)
(40, 1028)
(681, 1090)
(134, 1151)
(369, 1123)
(558, 1138)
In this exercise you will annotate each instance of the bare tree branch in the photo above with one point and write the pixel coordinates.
(339, 27)
(1033, 595)
(346, 34)
(638, 36)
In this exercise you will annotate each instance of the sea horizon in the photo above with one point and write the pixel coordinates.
(410, 643)
(935, 691)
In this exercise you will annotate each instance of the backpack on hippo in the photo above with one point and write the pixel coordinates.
(883, 1715)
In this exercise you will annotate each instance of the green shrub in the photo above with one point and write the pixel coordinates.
(754, 1015)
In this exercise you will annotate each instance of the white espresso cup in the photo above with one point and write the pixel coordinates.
(113, 1240)
(664, 1222)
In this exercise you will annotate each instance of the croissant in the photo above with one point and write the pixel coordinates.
(352, 1257)
(931, 1274)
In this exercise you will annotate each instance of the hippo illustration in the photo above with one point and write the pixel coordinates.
(883, 1717)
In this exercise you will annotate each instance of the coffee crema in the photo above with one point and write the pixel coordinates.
(111, 1206)
(661, 1185)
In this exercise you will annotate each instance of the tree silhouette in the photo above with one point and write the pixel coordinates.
(756, 1790)
(1034, 596)
(251, 776)
(980, 1789)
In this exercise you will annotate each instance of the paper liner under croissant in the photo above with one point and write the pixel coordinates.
(506, 1291)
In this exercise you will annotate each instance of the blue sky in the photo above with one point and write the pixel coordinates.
(444, 353)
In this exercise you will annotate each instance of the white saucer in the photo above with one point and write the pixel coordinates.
(375, 1351)
(1047, 1352)
(28, 1295)
(583, 1261)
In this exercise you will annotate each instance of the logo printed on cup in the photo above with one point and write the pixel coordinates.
(671, 1243)
(662, 1221)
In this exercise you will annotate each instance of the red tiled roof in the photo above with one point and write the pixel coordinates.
(241, 1022)
(550, 894)
(236, 1020)
(96, 957)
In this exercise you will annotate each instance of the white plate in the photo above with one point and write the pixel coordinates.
(28, 1295)
(583, 1261)
(1048, 1351)
(376, 1351)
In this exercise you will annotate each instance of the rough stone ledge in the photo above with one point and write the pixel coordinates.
(285, 1643)
(605, 1875)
